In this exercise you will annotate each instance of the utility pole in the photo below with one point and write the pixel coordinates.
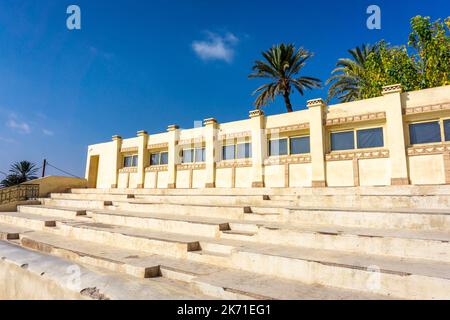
(43, 168)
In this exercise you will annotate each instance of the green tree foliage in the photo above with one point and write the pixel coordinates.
(424, 64)
(281, 67)
(20, 172)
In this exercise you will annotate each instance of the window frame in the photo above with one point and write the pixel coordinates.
(194, 154)
(288, 138)
(368, 128)
(159, 153)
(299, 136)
(440, 121)
(133, 157)
(236, 150)
(278, 155)
(341, 131)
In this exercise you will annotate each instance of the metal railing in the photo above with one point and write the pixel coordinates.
(17, 193)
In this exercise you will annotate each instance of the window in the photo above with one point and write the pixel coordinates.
(424, 132)
(188, 156)
(193, 155)
(159, 158)
(228, 152)
(447, 129)
(299, 145)
(200, 155)
(342, 140)
(164, 158)
(278, 147)
(130, 161)
(370, 138)
(244, 150)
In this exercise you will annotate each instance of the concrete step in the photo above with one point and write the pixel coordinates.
(375, 201)
(38, 276)
(437, 220)
(170, 244)
(190, 225)
(28, 221)
(393, 277)
(92, 196)
(62, 212)
(209, 280)
(431, 245)
(10, 232)
(80, 204)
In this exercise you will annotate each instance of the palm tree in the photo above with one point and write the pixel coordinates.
(20, 172)
(281, 66)
(347, 77)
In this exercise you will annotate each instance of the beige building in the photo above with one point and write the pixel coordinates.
(396, 139)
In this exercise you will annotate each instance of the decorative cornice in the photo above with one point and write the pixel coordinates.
(235, 135)
(428, 108)
(234, 164)
(209, 121)
(315, 103)
(141, 133)
(429, 149)
(356, 118)
(191, 166)
(156, 168)
(128, 170)
(292, 159)
(294, 127)
(353, 154)
(172, 127)
(116, 137)
(158, 145)
(256, 113)
(394, 88)
(191, 141)
(129, 149)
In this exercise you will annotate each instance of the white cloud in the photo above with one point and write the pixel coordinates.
(216, 47)
(21, 127)
(7, 140)
(47, 132)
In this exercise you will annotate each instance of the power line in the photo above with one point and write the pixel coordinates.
(72, 175)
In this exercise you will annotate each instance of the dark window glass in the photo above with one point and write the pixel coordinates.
(447, 129)
(154, 159)
(244, 150)
(278, 147)
(425, 132)
(200, 155)
(188, 155)
(164, 158)
(135, 161)
(299, 145)
(370, 138)
(127, 161)
(342, 140)
(228, 152)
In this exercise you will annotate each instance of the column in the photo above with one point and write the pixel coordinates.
(317, 109)
(173, 156)
(210, 147)
(395, 134)
(259, 147)
(116, 160)
(143, 158)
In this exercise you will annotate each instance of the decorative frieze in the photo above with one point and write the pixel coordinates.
(191, 166)
(235, 135)
(315, 103)
(129, 149)
(295, 127)
(233, 164)
(395, 88)
(256, 113)
(429, 149)
(128, 170)
(162, 145)
(292, 159)
(350, 155)
(192, 141)
(156, 168)
(356, 118)
(428, 108)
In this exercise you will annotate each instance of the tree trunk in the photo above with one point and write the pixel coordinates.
(287, 101)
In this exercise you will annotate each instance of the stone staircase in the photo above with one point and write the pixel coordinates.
(291, 243)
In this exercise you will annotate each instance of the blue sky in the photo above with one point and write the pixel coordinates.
(146, 64)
